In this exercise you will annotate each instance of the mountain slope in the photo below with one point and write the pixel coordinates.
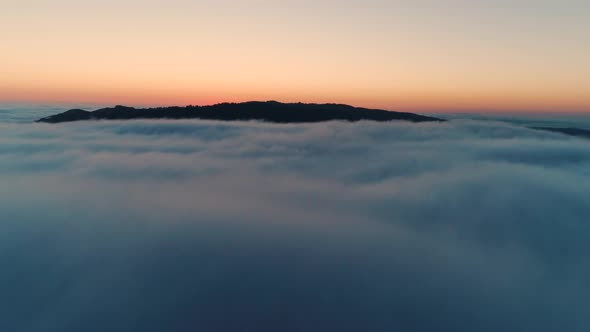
(578, 132)
(270, 111)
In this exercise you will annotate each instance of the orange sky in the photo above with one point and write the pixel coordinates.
(425, 56)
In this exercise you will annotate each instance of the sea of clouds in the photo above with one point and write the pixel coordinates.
(220, 226)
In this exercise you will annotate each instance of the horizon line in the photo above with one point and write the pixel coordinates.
(431, 110)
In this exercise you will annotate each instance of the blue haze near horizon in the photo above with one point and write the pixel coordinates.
(541, 119)
(188, 225)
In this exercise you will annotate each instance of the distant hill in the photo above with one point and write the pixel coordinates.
(567, 131)
(270, 111)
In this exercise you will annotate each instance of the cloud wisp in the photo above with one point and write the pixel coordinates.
(212, 226)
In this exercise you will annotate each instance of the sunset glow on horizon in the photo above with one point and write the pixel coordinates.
(420, 56)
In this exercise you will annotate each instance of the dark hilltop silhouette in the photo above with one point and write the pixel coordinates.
(578, 132)
(270, 111)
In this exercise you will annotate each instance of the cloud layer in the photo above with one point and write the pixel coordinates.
(210, 226)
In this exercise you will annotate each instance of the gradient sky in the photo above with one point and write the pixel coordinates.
(424, 55)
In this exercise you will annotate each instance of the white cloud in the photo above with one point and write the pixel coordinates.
(211, 226)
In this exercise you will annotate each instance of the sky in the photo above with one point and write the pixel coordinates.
(423, 55)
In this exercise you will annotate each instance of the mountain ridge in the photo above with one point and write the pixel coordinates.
(570, 131)
(268, 111)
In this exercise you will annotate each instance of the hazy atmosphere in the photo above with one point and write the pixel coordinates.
(294, 166)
